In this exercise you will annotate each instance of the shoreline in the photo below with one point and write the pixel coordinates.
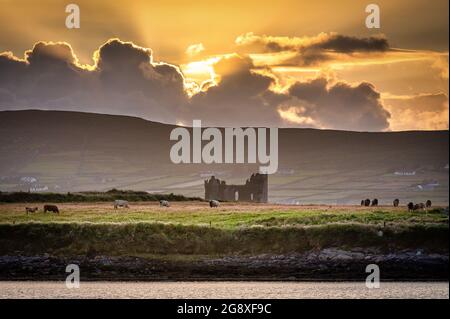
(328, 265)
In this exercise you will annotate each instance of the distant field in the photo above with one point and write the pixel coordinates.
(228, 215)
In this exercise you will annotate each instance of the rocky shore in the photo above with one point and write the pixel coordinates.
(327, 264)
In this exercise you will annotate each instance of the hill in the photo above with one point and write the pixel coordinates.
(55, 151)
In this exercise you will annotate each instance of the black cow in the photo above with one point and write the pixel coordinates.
(396, 202)
(410, 206)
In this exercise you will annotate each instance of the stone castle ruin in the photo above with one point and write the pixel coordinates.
(255, 190)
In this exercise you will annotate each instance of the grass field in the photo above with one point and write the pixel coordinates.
(227, 216)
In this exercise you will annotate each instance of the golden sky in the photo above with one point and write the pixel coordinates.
(406, 60)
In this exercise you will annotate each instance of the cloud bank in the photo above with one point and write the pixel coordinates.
(125, 80)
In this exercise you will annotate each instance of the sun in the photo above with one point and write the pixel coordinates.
(200, 71)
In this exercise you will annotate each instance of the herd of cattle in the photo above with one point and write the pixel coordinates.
(411, 206)
(162, 203)
(117, 203)
(214, 203)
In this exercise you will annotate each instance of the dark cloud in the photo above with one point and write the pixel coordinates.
(7, 97)
(312, 50)
(126, 68)
(49, 71)
(11, 70)
(341, 106)
(347, 44)
(51, 55)
(117, 56)
(322, 51)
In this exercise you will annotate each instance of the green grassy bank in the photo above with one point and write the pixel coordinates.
(164, 239)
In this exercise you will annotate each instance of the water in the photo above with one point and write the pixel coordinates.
(188, 290)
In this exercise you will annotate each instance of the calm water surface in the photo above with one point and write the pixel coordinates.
(23, 289)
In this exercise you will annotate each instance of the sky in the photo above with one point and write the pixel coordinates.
(232, 63)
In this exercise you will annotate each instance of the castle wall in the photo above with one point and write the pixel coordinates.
(254, 190)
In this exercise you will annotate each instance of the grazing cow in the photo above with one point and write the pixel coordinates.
(51, 208)
(362, 202)
(31, 209)
(375, 202)
(396, 202)
(428, 204)
(411, 206)
(213, 203)
(120, 203)
(164, 203)
(367, 202)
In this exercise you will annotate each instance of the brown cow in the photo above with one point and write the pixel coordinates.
(51, 208)
(31, 209)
